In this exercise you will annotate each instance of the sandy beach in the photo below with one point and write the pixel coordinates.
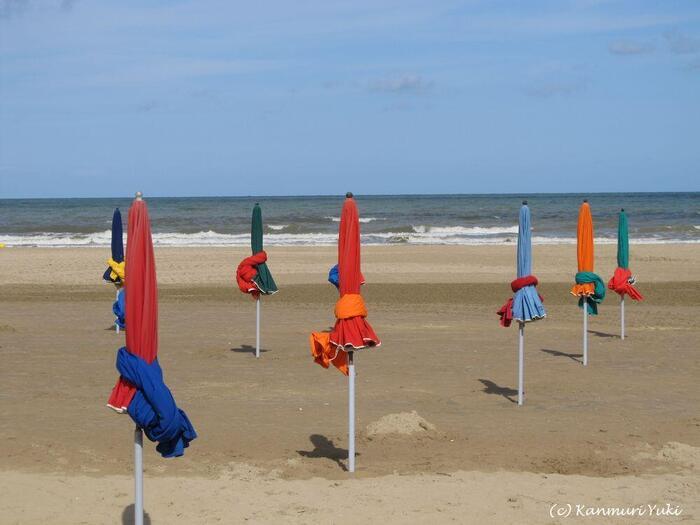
(441, 438)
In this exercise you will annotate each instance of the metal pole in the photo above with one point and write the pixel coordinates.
(585, 331)
(351, 412)
(521, 362)
(138, 476)
(622, 316)
(257, 327)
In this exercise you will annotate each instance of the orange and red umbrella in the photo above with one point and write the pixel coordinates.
(351, 330)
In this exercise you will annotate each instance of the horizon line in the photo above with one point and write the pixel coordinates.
(342, 195)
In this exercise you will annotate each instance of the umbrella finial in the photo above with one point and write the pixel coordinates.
(348, 195)
(524, 203)
(622, 209)
(139, 196)
(585, 200)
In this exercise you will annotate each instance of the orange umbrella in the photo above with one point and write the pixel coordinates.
(351, 331)
(584, 248)
(589, 287)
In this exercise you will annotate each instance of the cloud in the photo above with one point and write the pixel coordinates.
(556, 88)
(67, 5)
(146, 106)
(10, 8)
(404, 84)
(682, 44)
(628, 47)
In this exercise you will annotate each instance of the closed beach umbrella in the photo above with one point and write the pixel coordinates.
(526, 304)
(622, 282)
(253, 275)
(115, 269)
(589, 287)
(351, 331)
(140, 390)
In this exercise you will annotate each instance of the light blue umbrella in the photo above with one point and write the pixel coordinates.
(527, 304)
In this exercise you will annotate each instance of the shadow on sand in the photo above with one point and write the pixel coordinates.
(603, 334)
(128, 516)
(325, 448)
(557, 353)
(492, 388)
(247, 349)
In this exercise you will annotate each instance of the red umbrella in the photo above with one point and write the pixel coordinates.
(142, 302)
(351, 331)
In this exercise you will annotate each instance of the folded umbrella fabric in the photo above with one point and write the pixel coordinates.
(115, 271)
(263, 279)
(119, 308)
(324, 351)
(247, 272)
(333, 276)
(525, 305)
(622, 283)
(115, 265)
(598, 290)
(153, 407)
(351, 330)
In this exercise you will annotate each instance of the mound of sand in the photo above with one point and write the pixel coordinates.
(401, 424)
(680, 453)
(674, 453)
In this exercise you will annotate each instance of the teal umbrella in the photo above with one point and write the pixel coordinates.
(622, 282)
(263, 280)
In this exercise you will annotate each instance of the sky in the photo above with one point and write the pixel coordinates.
(188, 98)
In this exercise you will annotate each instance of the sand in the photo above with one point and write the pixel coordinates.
(440, 437)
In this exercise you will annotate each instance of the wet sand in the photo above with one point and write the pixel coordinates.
(272, 445)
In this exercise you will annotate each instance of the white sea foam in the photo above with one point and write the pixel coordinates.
(278, 226)
(363, 220)
(442, 231)
(433, 236)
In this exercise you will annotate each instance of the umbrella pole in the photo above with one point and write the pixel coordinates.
(585, 331)
(622, 317)
(521, 361)
(257, 327)
(351, 412)
(138, 476)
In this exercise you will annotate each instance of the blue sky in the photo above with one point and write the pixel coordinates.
(317, 97)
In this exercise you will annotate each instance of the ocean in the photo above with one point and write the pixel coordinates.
(386, 219)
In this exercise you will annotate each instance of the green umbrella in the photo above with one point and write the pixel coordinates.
(623, 241)
(622, 281)
(264, 281)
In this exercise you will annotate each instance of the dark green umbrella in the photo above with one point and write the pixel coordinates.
(264, 281)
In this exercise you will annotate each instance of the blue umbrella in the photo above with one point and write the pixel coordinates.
(526, 304)
(115, 269)
(117, 249)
